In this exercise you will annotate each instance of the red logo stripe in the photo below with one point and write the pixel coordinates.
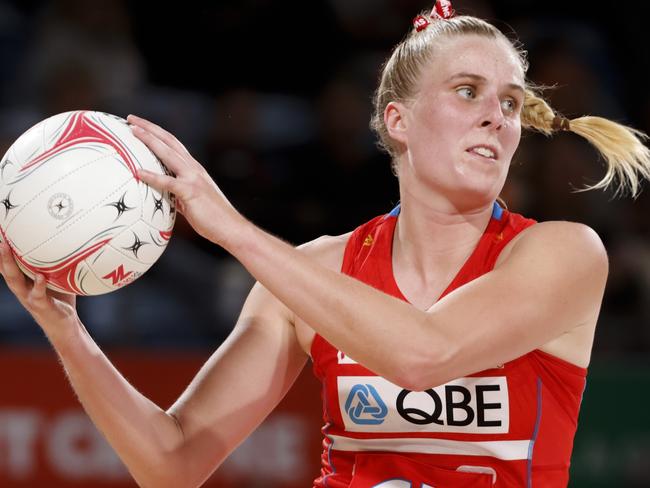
(111, 140)
(81, 129)
(62, 275)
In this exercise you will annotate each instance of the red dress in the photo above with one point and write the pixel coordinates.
(509, 426)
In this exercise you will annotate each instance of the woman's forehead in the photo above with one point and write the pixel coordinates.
(491, 58)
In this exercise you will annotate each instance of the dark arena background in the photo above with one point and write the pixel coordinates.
(273, 97)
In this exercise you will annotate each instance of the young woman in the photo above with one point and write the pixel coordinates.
(452, 336)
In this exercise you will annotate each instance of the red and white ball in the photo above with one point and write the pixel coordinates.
(73, 209)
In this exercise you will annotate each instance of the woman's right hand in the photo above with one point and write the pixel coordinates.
(198, 197)
(55, 312)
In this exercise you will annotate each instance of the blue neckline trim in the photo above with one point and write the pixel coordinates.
(395, 212)
(497, 211)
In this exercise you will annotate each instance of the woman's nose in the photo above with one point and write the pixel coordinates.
(493, 115)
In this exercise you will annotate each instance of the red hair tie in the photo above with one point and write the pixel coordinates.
(442, 10)
(420, 23)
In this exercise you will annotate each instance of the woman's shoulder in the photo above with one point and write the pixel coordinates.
(330, 250)
(560, 242)
(564, 231)
(327, 250)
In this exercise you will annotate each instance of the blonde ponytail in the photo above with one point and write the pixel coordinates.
(627, 158)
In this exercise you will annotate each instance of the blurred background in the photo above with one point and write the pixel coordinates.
(274, 99)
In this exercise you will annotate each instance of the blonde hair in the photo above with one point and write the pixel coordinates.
(627, 158)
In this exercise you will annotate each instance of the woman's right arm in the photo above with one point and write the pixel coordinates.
(234, 391)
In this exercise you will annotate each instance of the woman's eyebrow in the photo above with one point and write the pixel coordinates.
(481, 79)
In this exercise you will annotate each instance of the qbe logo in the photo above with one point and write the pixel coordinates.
(477, 405)
(364, 406)
(455, 401)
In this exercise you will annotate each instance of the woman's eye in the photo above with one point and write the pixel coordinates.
(466, 92)
(509, 105)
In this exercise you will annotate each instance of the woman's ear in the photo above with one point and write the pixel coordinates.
(395, 120)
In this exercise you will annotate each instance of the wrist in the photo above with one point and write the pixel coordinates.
(64, 336)
(237, 236)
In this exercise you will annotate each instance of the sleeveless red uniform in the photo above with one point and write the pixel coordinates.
(509, 426)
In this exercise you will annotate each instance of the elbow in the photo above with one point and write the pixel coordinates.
(174, 469)
(420, 382)
(166, 475)
(424, 369)
(162, 475)
(411, 384)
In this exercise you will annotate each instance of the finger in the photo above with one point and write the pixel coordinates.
(14, 277)
(161, 133)
(68, 298)
(38, 299)
(171, 158)
(161, 182)
(39, 290)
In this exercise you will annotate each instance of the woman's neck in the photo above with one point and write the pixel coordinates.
(434, 237)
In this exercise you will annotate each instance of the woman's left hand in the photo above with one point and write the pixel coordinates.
(198, 197)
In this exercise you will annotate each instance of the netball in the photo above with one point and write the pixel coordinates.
(73, 208)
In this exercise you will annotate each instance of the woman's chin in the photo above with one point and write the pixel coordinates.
(473, 197)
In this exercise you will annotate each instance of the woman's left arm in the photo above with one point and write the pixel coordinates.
(551, 282)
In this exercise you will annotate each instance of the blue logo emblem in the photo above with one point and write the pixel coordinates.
(365, 406)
